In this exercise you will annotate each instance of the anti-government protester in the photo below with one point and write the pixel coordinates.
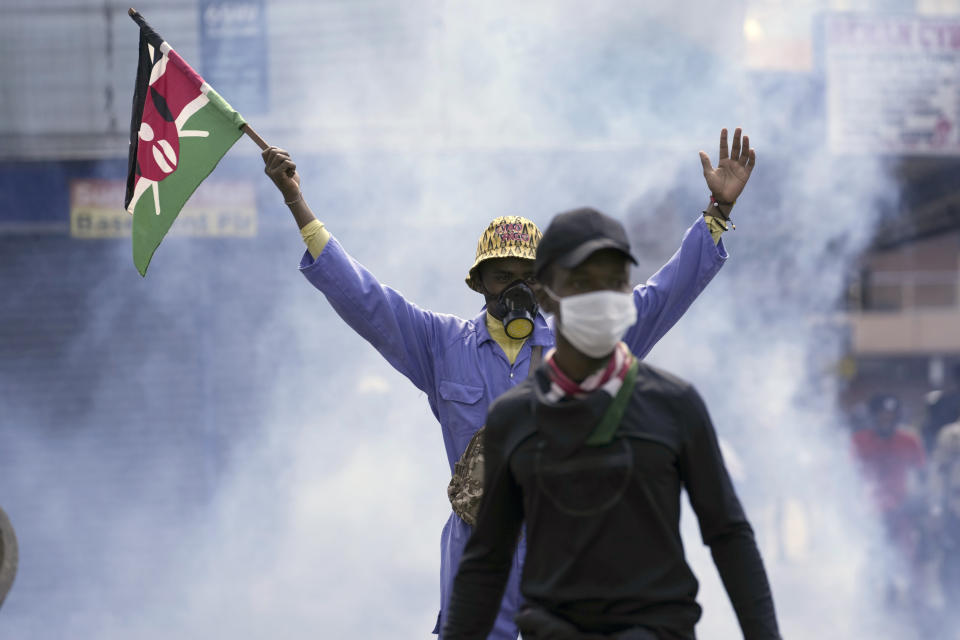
(462, 365)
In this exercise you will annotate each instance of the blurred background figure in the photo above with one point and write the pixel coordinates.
(942, 408)
(892, 460)
(890, 454)
(941, 550)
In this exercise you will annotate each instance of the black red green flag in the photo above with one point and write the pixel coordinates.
(179, 130)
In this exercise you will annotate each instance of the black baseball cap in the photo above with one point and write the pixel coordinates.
(573, 235)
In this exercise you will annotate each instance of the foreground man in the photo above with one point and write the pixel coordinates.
(591, 453)
(462, 365)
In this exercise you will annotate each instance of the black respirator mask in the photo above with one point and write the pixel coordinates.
(517, 307)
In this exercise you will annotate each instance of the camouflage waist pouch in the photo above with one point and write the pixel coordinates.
(466, 486)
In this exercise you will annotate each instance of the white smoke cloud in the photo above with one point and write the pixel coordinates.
(326, 522)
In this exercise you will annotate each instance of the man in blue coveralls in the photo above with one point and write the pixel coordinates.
(464, 364)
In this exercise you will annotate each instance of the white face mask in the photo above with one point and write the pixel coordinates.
(594, 322)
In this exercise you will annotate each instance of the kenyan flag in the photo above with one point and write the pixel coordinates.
(179, 131)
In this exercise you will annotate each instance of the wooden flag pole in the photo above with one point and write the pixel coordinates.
(246, 128)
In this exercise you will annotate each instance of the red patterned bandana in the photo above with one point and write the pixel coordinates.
(608, 379)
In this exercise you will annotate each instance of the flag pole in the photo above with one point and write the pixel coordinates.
(133, 13)
(246, 128)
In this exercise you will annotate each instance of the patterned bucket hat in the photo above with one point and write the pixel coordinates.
(506, 237)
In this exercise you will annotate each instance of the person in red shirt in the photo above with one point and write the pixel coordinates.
(891, 459)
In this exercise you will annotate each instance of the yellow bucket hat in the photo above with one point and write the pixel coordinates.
(506, 237)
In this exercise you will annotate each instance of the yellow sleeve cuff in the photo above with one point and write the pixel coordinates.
(316, 236)
(716, 227)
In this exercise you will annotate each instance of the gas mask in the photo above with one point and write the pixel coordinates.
(517, 307)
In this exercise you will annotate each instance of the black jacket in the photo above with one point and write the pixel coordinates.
(602, 522)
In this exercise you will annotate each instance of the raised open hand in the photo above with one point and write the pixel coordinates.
(727, 181)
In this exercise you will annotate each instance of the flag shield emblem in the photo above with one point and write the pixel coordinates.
(179, 131)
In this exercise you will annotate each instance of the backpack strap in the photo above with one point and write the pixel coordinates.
(607, 427)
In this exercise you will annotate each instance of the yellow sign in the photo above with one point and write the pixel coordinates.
(217, 209)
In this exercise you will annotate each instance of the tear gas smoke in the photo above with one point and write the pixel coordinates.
(241, 465)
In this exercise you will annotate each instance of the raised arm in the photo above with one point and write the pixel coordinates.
(406, 335)
(667, 295)
(723, 524)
